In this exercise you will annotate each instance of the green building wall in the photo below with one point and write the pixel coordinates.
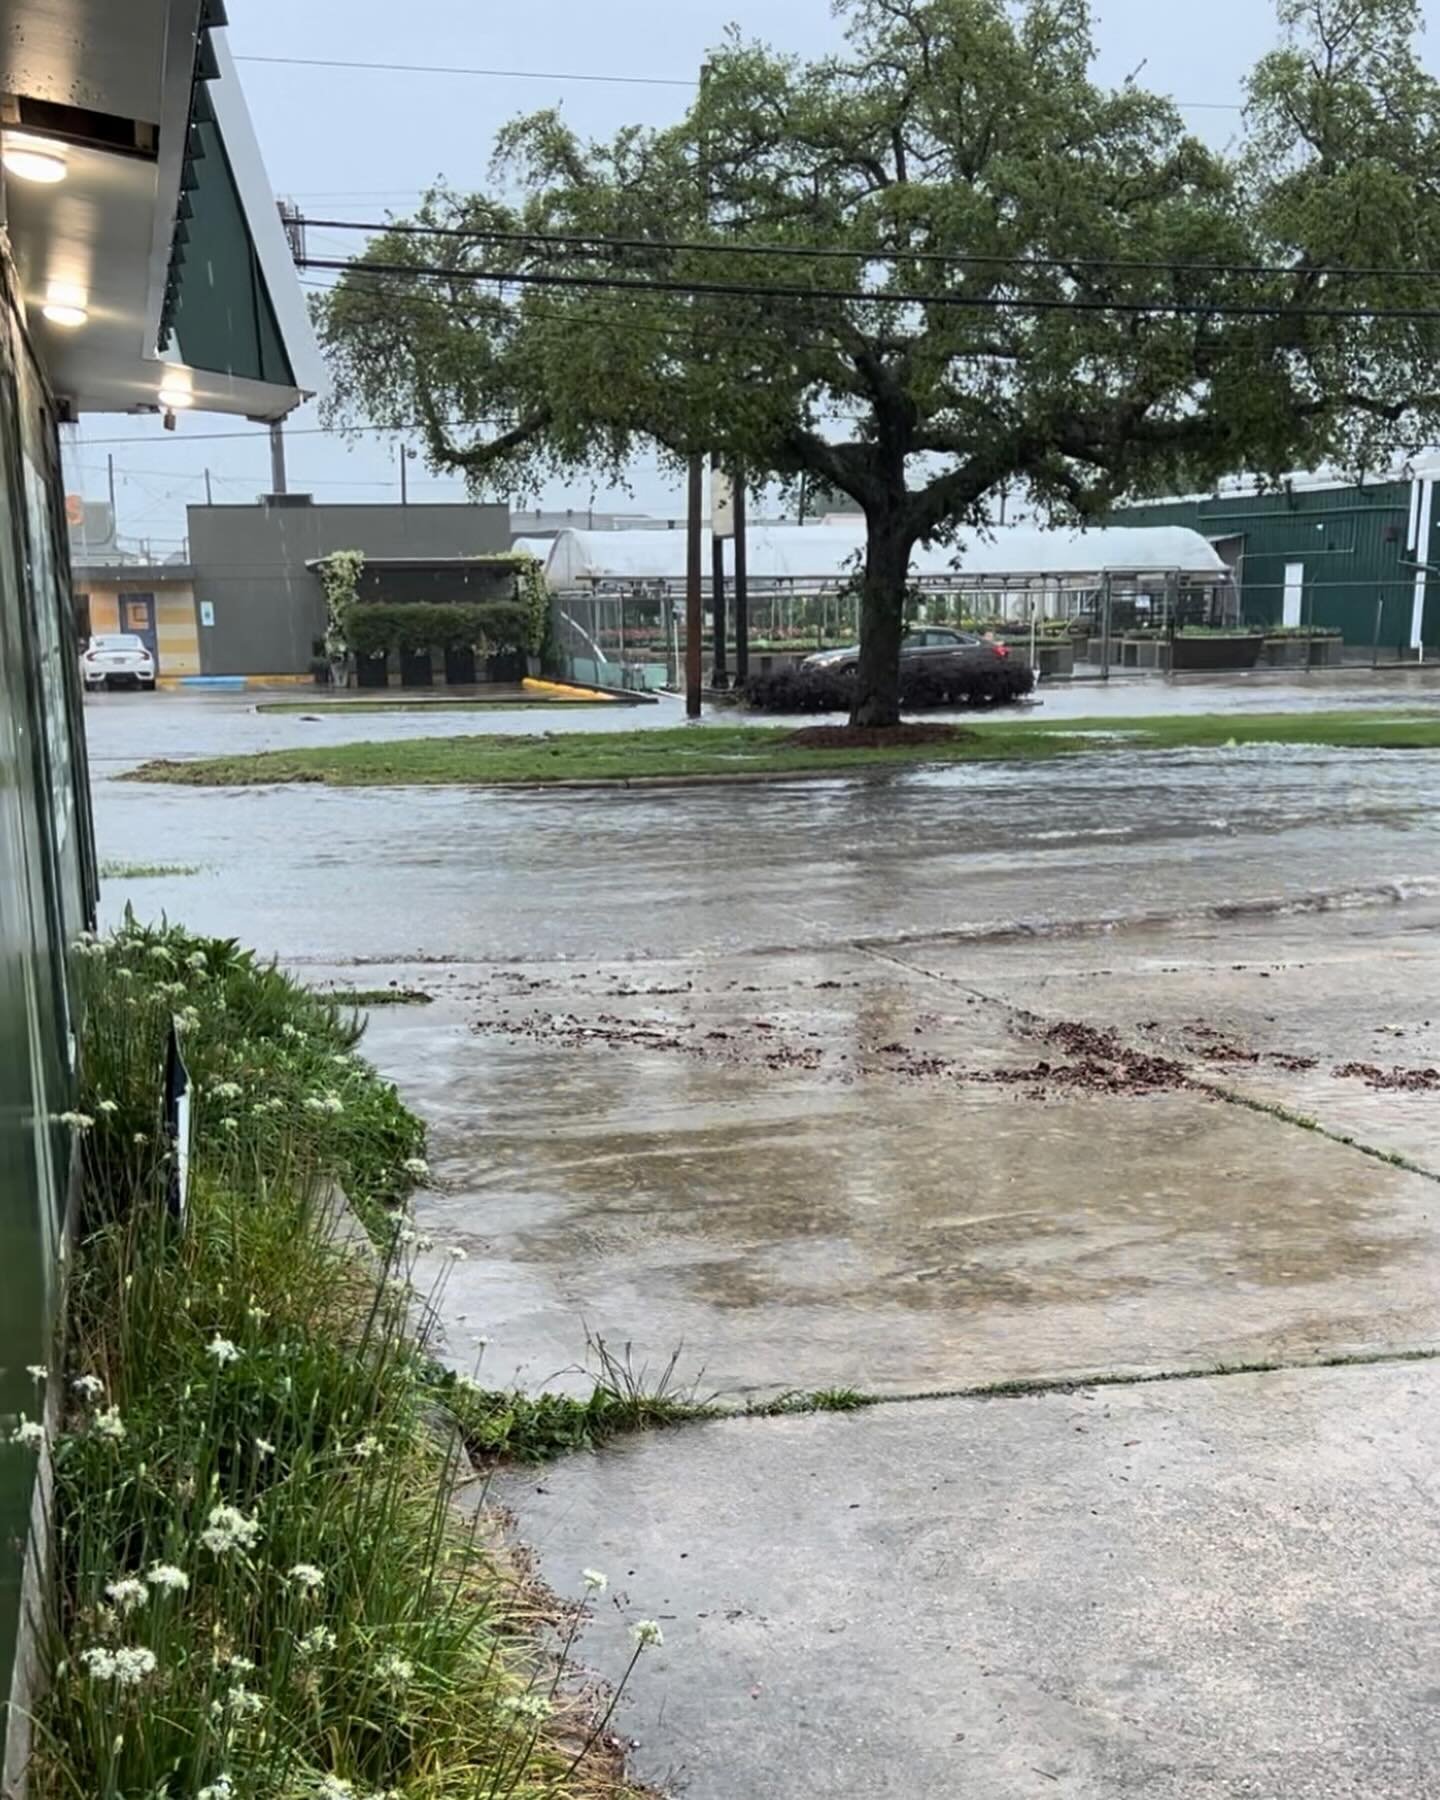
(1359, 574)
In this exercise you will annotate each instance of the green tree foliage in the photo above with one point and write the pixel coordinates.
(1124, 309)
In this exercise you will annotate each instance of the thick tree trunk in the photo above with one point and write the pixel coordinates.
(882, 618)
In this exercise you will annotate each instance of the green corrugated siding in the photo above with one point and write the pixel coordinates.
(1351, 542)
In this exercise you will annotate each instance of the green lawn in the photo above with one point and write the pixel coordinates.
(747, 751)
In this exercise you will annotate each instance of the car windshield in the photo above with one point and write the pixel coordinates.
(120, 641)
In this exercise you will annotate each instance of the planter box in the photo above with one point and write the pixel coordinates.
(1201, 655)
(417, 669)
(460, 668)
(1303, 653)
(1054, 657)
(508, 666)
(1139, 653)
(372, 671)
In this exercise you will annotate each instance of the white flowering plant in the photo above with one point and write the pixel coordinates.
(264, 1582)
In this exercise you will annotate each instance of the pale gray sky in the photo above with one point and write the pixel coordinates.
(350, 143)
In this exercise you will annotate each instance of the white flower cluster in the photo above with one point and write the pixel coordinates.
(594, 1580)
(221, 1788)
(526, 1706)
(90, 1386)
(647, 1632)
(128, 1666)
(126, 1593)
(307, 1577)
(317, 1641)
(109, 1424)
(417, 1167)
(222, 1350)
(168, 1578)
(226, 1090)
(228, 1529)
(29, 1433)
(368, 1446)
(394, 1671)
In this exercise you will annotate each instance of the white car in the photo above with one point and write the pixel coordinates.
(119, 660)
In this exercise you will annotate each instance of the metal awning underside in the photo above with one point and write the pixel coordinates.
(165, 221)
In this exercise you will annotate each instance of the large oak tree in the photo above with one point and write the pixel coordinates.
(1064, 290)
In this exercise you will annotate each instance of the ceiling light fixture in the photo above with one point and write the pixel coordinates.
(65, 305)
(31, 158)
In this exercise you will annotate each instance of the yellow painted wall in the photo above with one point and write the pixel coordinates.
(176, 638)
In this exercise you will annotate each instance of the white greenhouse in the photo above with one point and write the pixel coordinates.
(619, 594)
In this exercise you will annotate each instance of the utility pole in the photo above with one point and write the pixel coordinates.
(694, 547)
(404, 492)
(742, 584)
(209, 501)
(277, 458)
(721, 526)
(694, 600)
(110, 472)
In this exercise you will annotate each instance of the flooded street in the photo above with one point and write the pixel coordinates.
(921, 1084)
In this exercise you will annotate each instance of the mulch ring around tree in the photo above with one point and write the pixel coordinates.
(877, 737)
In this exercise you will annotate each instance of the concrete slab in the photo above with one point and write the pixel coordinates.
(1328, 1014)
(802, 1171)
(1221, 1588)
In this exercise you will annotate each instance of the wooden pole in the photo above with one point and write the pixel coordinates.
(694, 579)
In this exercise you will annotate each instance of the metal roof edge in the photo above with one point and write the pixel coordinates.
(262, 215)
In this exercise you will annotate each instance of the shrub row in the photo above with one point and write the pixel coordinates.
(375, 628)
(922, 685)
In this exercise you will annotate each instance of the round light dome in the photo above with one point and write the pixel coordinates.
(32, 159)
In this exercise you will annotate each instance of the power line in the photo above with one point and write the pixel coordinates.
(619, 319)
(947, 258)
(178, 439)
(676, 81)
(883, 297)
(327, 62)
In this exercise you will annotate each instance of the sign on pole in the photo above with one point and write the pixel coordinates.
(722, 504)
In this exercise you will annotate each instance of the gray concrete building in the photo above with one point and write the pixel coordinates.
(259, 606)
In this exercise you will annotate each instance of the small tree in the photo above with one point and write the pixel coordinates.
(340, 578)
(1063, 291)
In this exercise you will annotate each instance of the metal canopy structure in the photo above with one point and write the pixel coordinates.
(163, 231)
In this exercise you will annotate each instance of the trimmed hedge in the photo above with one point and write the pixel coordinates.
(375, 628)
(951, 682)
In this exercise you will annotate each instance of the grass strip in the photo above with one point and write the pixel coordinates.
(747, 751)
(135, 871)
(386, 996)
(264, 1589)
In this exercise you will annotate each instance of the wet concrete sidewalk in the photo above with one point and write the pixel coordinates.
(923, 1083)
(940, 1166)
(1224, 1588)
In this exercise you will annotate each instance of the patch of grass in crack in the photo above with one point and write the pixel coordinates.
(817, 1400)
(387, 996)
(138, 871)
(505, 1425)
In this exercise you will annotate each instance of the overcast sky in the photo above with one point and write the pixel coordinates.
(349, 143)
